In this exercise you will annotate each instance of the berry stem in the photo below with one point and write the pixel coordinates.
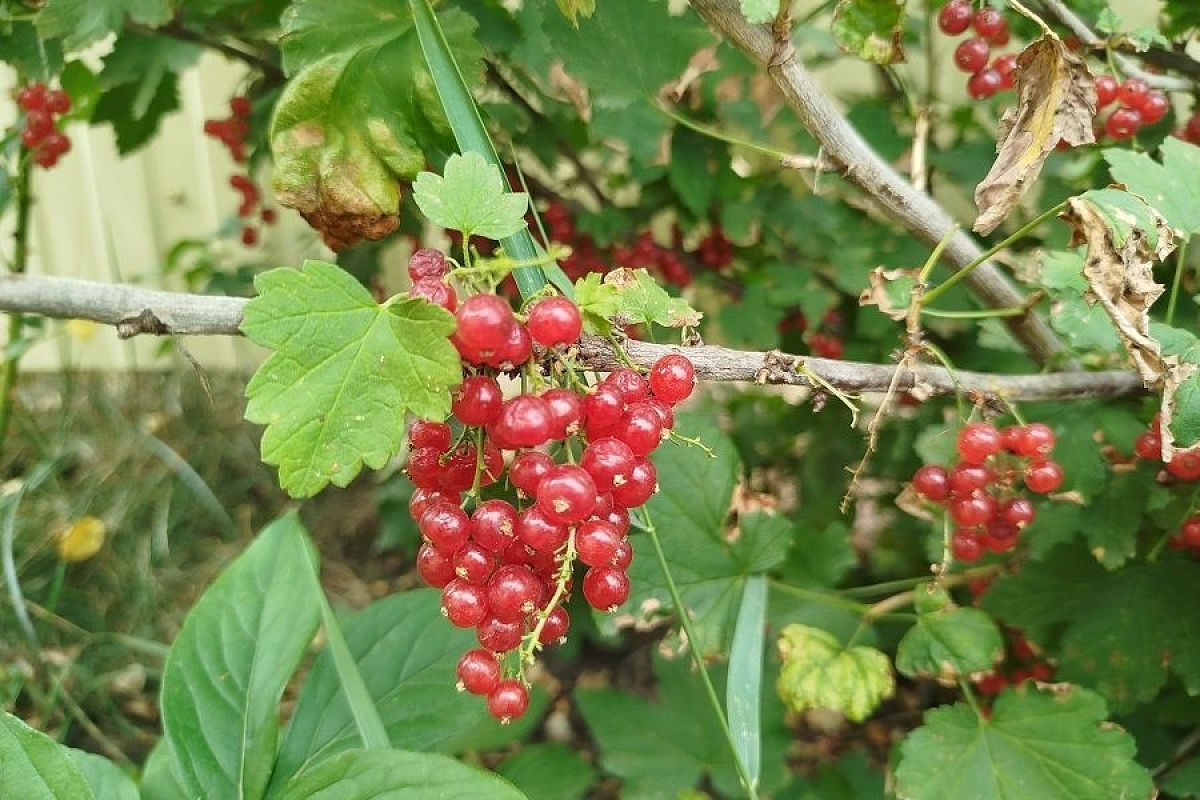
(533, 640)
(478, 463)
(647, 524)
(944, 360)
(969, 696)
(690, 441)
(957, 579)
(844, 398)
(1180, 265)
(1024, 230)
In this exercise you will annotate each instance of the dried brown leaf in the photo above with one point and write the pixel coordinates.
(890, 290)
(1056, 101)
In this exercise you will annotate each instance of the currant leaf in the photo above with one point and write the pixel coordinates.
(470, 198)
(1172, 188)
(643, 301)
(82, 22)
(1036, 746)
(870, 29)
(759, 12)
(947, 641)
(345, 371)
(818, 672)
(598, 303)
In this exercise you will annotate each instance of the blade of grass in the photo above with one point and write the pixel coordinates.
(472, 136)
(743, 688)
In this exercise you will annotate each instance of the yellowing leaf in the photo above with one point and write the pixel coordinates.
(1057, 101)
(81, 540)
(817, 672)
(574, 9)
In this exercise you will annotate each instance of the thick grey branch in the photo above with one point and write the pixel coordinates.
(134, 311)
(919, 213)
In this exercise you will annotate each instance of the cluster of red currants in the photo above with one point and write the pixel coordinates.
(981, 491)
(1022, 664)
(1190, 132)
(1184, 464)
(505, 569)
(825, 342)
(971, 55)
(1137, 105)
(40, 134)
(232, 132)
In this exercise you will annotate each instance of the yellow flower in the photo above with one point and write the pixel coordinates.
(81, 540)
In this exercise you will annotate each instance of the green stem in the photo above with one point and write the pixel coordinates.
(825, 598)
(713, 133)
(888, 587)
(697, 657)
(936, 254)
(944, 360)
(986, 313)
(8, 378)
(1024, 230)
(1180, 264)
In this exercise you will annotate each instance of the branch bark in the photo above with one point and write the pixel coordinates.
(919, 213)
(135, 311)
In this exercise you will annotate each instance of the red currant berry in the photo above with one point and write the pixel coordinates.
(1185, 465)
(424, 468)
(1189, 534)
(971, 55)
(427, 433)
(1006, 65)
(512, 592)
(665, 413)
(566, 411)
(30, 139)
(640, 485)
(640, 428)
(603, 407)
(1154, 107)
(1132, 92)
(632, 386)
(624, 556)
(527, 470)
(422, 499)
(1002, 533)
(1019, 511)
(966, 546)
(672, 378)
(478, 672)
(567, 495)
(1037, 439)
(483, 323)
(538, 531)
(525, 421)
(932, 482)
(57, 101)
(967, 478)
(1042, 477)
(554, 321)
(977, 441)
(249, 236)
(446, 527)
(608, 461)
(498, 635)
(518, 347)
(436, 291)
(618, 518)
(508, 701)
(56, 143)
(427, 263)
(494, 525)
(554, 631)
(32, 97)
(473, 563)
(434, 568)
(1106, 90)
(955, 17)
(596, 542)
(1148, 446)
(39, 123)
(477, 400)
(239, 106)
(1123, 123)
(984, 84)
(464, 604)
(973, 510)
(1011, 436)
(989, 23)
(605, 588)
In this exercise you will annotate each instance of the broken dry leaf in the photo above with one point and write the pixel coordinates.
(891, 290)
(1056, 102)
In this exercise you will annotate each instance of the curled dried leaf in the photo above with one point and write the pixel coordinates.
(890, 290)
(1056, 102)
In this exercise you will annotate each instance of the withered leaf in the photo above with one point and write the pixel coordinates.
(891, 290)
(1056, 101)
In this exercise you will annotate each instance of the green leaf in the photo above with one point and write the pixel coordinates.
(759, 12)
(690, 512)
(608, 52)
(1123, 630)
(1123, 213)
(598, 303)
(1143, 37)
(1172, 188)
(870, 29)
(643, 301)
(743, 687)
(406, 655)
(549, 771)
(360, 113)
(818, 672)
(851, 777)
(344, 372)
(32, 765)
(573, 9)
(470, 198)
(160, 775)
(227, 668)
(1036, 746)
(82, 22)
(1109, 22)
(1184, 780)
(107, 780)
(395, 775)
(27, 50)
(820, 559)
(948, 641)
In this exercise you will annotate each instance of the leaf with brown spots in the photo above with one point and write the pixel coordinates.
(890, 290)
(1056, 102)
